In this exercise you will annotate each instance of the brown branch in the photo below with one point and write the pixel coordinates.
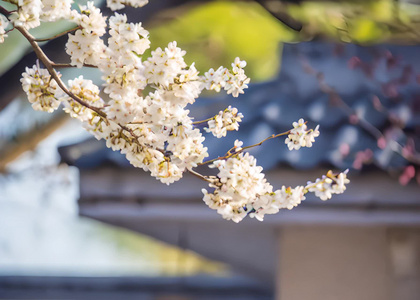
(49, 65)
(5, 12)
(266, 139)
(230, 154)
(198, 175)
(63, 65)
(203, 121)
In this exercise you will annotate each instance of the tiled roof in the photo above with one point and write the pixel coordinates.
(271, 107)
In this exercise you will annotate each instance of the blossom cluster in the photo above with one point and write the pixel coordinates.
(328, 185)
(30, 13)
(237, 185)
(120, 4)
(299, 136)
(233, 81)
(240, 189)
(154, 130)
(85, 46)
(41, 89)
(225, 121)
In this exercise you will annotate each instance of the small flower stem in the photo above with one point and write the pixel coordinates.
(214, 159)
(7, 31)
(55, 65)
(49, 65)
(198, 175)
(203, 121)
(57, 35)
(266, 139)
(230, 154)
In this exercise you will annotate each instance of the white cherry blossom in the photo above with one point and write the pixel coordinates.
(225, 121)
(41, 89)
(120, 4)
(86, 91)
(128, 40)
(85, 48)
(233, 81)
(90, 19)
(27, 14)
(328, 185)
(299, 136)
(239, 183)
(4, 23)
(54, 10)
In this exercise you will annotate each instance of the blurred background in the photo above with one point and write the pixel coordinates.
(77, 221)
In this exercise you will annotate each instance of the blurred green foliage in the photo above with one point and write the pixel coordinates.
(361, 22)
(214, 33)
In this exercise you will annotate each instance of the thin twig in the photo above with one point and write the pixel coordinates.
(198, 175)
(230, 154)
(203, 121)
(63, 65)
(58, 35)
(49, 65)
(266, 139)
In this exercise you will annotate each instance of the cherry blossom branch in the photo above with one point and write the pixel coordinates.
(49, 65)
(266, 139)
(64, 65)
(203, 121)
(240, 188)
